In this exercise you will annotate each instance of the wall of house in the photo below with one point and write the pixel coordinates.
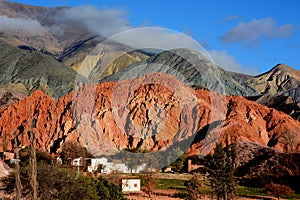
(109, 167)
(131, 185)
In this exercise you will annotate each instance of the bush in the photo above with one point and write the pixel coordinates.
(278, 190)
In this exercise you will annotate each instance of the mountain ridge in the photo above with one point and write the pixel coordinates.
(88, 116)
(34, 70)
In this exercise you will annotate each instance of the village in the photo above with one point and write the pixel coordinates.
(128, 178)
(138, 182)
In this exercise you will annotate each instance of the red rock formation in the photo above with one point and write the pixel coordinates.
(151, 112)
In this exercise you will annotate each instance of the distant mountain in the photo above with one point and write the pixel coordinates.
(106, 59)
(278, 88)
(28, 71)
(72, 43)
(280, 79)
(68, 42)
(38, 16)
(188, 66)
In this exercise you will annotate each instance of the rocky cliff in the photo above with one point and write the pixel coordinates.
(284, 103)
(152, 112)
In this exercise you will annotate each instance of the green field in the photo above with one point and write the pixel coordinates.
(167, 184)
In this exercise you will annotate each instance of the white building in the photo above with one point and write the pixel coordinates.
(107, 167)
(131, 185)
(95, 162)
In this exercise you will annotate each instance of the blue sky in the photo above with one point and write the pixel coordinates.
(249, 36)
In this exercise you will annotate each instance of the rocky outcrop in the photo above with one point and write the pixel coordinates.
(254, 158)
(282, 103)
(153, 112)
(4, 169)
(10, 94)
(280, 79)
(249, 121)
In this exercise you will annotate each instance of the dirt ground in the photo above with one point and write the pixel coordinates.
(144, 196)
(153, 197)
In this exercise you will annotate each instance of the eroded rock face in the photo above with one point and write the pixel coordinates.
(280, 79)
(151, 113)
(282, 103)
(249, 121)
(50, 119)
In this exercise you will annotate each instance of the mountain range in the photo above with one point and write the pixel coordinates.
(52, 79)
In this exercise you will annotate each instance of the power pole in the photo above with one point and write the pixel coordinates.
(32, 159)
(18, 184)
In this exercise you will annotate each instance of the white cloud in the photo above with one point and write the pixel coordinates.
(103, 22)
(228, 62)
(251, 32)
(155, 37)
(31, 26)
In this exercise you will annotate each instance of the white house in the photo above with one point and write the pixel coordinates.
(107, 167)
(131, 185)
(95, 162)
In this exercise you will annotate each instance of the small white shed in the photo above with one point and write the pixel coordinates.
(131, 185)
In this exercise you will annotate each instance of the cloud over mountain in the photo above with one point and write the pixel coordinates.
(103, 22)
(31, 26)
(228, 62)
(252, 32)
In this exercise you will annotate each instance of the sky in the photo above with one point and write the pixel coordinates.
(249, 36)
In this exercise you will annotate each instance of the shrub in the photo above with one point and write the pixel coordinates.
(278, 190)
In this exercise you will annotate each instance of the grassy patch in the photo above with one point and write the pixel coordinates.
(241, 190)
(294, 196)
(167, 184)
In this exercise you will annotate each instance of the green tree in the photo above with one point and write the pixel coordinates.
(193, 188)
(221, 168)
(72, 150)
(176, 159)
